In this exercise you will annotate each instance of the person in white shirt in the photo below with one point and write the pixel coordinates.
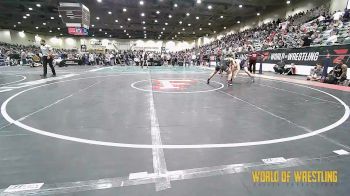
(92, 59)
(111, 59)
(24, 57)
(193, 58)
(47, 58)
(332, 39)
(337, 16)
(151, 58)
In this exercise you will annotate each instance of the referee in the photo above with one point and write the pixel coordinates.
(47, 58)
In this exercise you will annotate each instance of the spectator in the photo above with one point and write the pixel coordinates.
(23, 57)
(307, 40)
(338, 74)
(279, 67)
(333, 38)
(316, 73)
(289, 69)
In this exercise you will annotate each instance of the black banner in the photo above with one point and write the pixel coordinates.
(304, 56)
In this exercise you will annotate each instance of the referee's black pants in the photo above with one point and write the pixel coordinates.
(48, 61)
(252, 66)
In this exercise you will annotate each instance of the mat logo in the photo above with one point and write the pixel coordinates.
(172, 84)
(266, 56)
(342, 53)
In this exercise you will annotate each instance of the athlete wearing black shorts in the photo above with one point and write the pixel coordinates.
(228, 65)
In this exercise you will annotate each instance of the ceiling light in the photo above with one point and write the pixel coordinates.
(221, 16)
(144, 32)
(19, 22)
(193, 32)
(25, 17)
(170, 16)
(100, 1)
(109, 12)
(189, 25)
(158, 12)
(214, 31)
(62, 34)
(163, 29)
(129, 19)
(124, 9)
(129, 36)
(125, 31)
(142, 14)
(52, 18)
(60, 16)
(209, 24)
(144, 28)
(224, 27)
(197, 18)
(15, 26)
(143, 22)
(30, 9)
(183, 29)
(178, 33)
(180, 22)
(116, 21)
(50, 31)
(141, 2)
(200, 29)
(175, 5)
(97, 18)
(238, 22)
(44, 23)
(199, 1)
(100, 29)
(105, 33)
(58, 28)
(288, 2)
(92, 25)
(38, 5)
(240, 6)
(110, 35)
(187, 14)
(93, 35)
(155, 20)
(37, 27)
(161, 32)
(166, 23)
(258, 14)
(27, 14)
(210, 7)
(121, 27)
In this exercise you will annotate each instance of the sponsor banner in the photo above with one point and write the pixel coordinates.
(77, 31)
(303, 56)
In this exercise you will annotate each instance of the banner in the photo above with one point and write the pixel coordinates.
(304, 56)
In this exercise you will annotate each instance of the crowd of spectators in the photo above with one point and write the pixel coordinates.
(315, 27)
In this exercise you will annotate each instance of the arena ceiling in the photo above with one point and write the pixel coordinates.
(161, 18)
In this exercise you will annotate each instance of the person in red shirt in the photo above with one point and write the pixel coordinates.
(253, 57)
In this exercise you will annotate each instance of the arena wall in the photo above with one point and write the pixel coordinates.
(23, 38)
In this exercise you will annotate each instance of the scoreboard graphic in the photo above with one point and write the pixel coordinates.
(75, 15)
